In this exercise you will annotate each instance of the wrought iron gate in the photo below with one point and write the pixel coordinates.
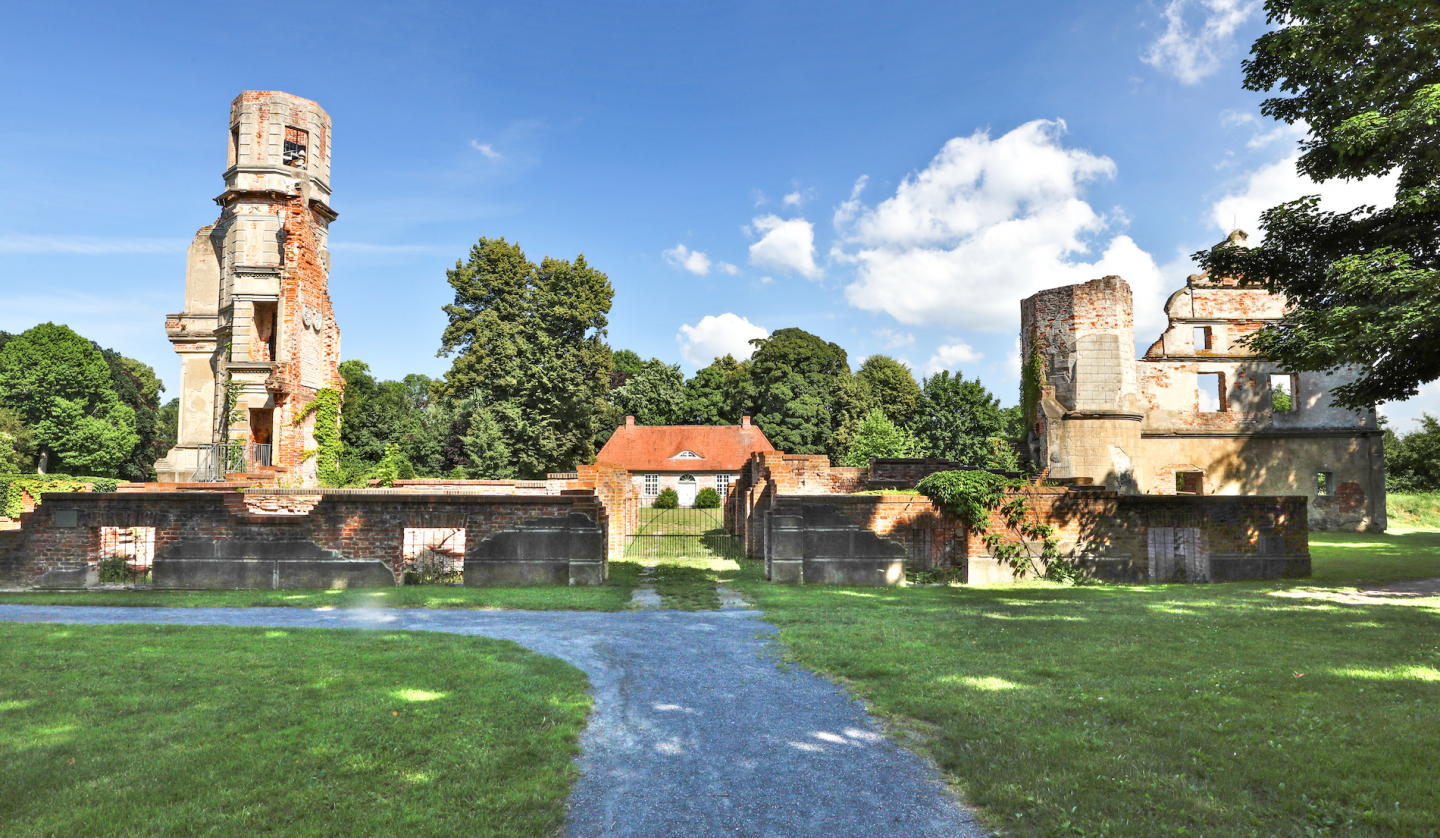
(683, 533)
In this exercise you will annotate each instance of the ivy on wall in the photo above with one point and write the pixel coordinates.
(13, 485)
(977, 498)
(326, 408)
(1032, 379)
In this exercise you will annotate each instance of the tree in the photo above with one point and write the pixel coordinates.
(877, 436)
(60, 386)
(958, 418)
(530, 342)
(627, 365)
(1363, 285)
(1412, 462)
(17, 447)
(716, 395)
(654, 395)
(889, 385)
(801, 392)
(136, 385)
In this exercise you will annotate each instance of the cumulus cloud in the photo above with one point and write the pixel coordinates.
(1281, 181)
(691, 260)
(1190, 54)
(485, 149)
(785, 245)
(714, 337)
(951, 356)
(986, 224)
(793, 199)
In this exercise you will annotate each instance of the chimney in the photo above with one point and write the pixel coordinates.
(745, 422)
(629, 421)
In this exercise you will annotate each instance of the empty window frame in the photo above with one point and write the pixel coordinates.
(1204, 340)
(262, 343)
(1190, 482)
(126, 553)
(652, 485)
(1282, 392)
(433, 555)
(1211, 391)
(296, 143)
(1324, 483)
(235, 145)
(722, 485)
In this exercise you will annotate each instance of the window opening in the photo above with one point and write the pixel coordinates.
(652, 485)
(235, 145)
(433, 556)
(1282, 392)
(1324, 483)
(1190, 482)
(687, 455)
(296, 142)
(126, 553)
(262, 346)
(722, 485)
(1203, 339)
(1211, 386)
(262, 424)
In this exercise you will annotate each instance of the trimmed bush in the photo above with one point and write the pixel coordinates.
(667, 499)
(707, 498)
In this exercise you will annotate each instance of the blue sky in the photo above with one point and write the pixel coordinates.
(893, 177)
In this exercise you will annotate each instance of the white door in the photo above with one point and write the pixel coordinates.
(687, 490)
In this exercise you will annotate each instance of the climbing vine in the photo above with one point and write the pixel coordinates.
(979, 499)
(326, 408)
(12, 489)
(1032, 379)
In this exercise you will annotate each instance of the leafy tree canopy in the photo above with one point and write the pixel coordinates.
(1364, 76)
(889, 385)
(17, 447)
(654, 395)
(717, 393)
(1412, 461)
(60, 386)
(877, 436)
(801, 392)
(958, 418)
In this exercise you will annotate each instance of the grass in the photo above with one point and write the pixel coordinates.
(1421, 511)
(612, 596)
(180, 731)
(1252, 709)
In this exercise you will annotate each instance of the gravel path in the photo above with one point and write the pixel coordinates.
(697, 729)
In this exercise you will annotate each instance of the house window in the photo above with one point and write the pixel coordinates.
(1282, 392)
(687, 455)
(722, 485)
(296, 142)
(1211, 386)
(652, 485)
(1203, 339)
(1324, 483)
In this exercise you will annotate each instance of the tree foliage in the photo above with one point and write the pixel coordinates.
(60, 386)
(888, 385)
(654, 394)
(958, 419)
(1364, 285)
(1412, 461)
(17, 446)
(876, 436)
(529, 340)
(717, 393)
(801, 392)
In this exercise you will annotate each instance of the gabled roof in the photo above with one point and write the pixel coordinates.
(654, 447)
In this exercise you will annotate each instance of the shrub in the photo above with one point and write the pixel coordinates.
(667, 499)
(707, 499)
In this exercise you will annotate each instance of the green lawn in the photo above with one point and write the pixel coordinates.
(180, 731)
(1254, 709)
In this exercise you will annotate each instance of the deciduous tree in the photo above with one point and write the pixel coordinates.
(801, 392)
(958, 418)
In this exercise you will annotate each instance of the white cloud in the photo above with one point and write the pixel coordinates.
(485, 149)
(893, 339)
(986, 224)
(691, 260)
(951, 356)
(1191, 55)
(1281, 181)
(87, 245)
(726, 267)
(714, 337)
(785, 245)
(846, 212)
(794, 199)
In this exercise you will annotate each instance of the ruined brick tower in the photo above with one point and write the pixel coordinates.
(258, 337)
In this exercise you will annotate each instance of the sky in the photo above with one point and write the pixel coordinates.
(893, 177)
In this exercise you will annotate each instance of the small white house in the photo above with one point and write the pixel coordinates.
(686, 458)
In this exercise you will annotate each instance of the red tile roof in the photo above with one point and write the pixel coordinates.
(653, 447)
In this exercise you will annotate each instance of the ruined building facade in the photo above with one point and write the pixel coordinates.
(1198, 413)
(257, 338)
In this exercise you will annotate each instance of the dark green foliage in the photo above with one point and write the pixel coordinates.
(802, 392)
(958, 419)
(889, 385)
(707, 498)
(626, 365)
(384, 413)
(167, 428)
(667, 499)
(1364, 75)
(135, 385)
(61, 387)
(17, 446)
(877, 436)
(717, 393)
(529, 341)
(654, 394)
(1412, 462)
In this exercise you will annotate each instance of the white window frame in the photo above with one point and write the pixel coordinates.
(652, 485)
(722, 485)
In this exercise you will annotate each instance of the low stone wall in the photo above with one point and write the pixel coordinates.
(278, 538)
